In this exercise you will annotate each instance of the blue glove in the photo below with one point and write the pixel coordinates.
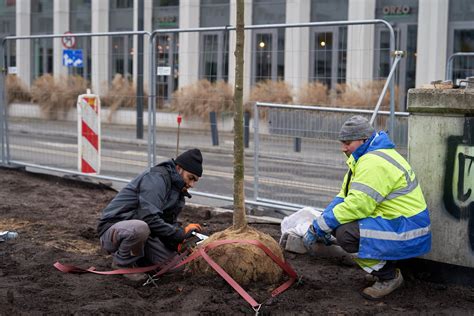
(326, 239)
(314, 235)
(310, 238)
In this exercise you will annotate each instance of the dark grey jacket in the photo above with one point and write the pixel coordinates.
(154, 197)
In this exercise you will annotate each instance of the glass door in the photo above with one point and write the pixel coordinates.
(264, 61)
(42, 57)
(328, 56)
(462, 41)
(405, 75)
(122, 53)
(323, 61)
(214, 56)
(168, 66)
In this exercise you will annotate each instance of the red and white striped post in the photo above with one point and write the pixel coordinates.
(88, 136)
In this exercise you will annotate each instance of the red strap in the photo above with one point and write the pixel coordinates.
(163, 268)
(73, 269)
(202, 252)
(285, 266)
(177, 261)
(229, 279)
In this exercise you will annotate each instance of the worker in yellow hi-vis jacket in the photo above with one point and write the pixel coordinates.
(380, 213)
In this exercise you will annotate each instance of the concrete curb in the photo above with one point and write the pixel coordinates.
(252, 219)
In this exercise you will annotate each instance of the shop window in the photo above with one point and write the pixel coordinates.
(214, 56)
(328, 55)
(214, 46)
(165, 16)
(42, 49)
(461, 38)
(268, 46)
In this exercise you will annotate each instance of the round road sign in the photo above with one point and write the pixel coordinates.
(68, 41)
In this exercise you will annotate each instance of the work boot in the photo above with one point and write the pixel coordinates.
(383, 287)
(136, 277)
(371, 278)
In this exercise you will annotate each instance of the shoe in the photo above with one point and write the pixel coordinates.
(371, 278)
(136, 277)
(383, 288)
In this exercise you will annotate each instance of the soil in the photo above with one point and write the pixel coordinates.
(56, 220)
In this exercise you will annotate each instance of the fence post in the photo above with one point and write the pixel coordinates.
(214, 134)
(141, 56)
(152, 104)
(246, 128)
(297, 144)
(256, 144)
(3, 106)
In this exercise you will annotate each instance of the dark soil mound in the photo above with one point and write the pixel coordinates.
(56, 220)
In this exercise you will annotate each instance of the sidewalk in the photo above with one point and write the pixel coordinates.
(270, 145)
(165, 137)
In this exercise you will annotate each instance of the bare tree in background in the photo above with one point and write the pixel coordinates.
(240, 220)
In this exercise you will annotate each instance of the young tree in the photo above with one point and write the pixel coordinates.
(240, 220)
(243, 262)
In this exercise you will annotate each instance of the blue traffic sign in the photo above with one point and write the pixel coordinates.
(72, 58)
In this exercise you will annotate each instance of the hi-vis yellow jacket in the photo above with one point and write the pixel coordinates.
(381, 192)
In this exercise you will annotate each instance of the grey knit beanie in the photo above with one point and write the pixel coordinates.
(355, 128)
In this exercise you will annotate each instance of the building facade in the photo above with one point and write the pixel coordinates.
(429, 31)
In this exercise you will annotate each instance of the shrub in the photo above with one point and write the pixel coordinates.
(57, 96)
(272, 92)
(121, 93)
(269, 91)
(71, 87)
(16, 90)
(363, 96)
(313, 93)
(203, 97)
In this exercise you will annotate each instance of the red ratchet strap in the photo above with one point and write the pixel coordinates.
(256, 306)
(177, 261)
(165, 268)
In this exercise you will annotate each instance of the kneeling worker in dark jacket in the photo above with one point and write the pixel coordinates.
(139, 226)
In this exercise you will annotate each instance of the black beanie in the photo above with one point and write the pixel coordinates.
(191, 161)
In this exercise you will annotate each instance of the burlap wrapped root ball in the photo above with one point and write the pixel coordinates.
(245, 263)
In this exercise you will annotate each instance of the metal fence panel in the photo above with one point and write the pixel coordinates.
(204, 54)
(298, 157)
(460, 66)
(270, 48)
(43, 131)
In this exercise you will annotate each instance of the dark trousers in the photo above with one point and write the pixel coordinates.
(130, 241)
(348, 237)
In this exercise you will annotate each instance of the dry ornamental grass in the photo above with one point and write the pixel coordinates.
(121, 93)
(271, 91)
(203, 97)
(16, 90)
(313, 93)
(57, 96)
(363, 95)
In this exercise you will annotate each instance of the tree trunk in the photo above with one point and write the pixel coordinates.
(240, 220)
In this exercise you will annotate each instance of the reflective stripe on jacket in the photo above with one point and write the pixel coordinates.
(381, 191)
